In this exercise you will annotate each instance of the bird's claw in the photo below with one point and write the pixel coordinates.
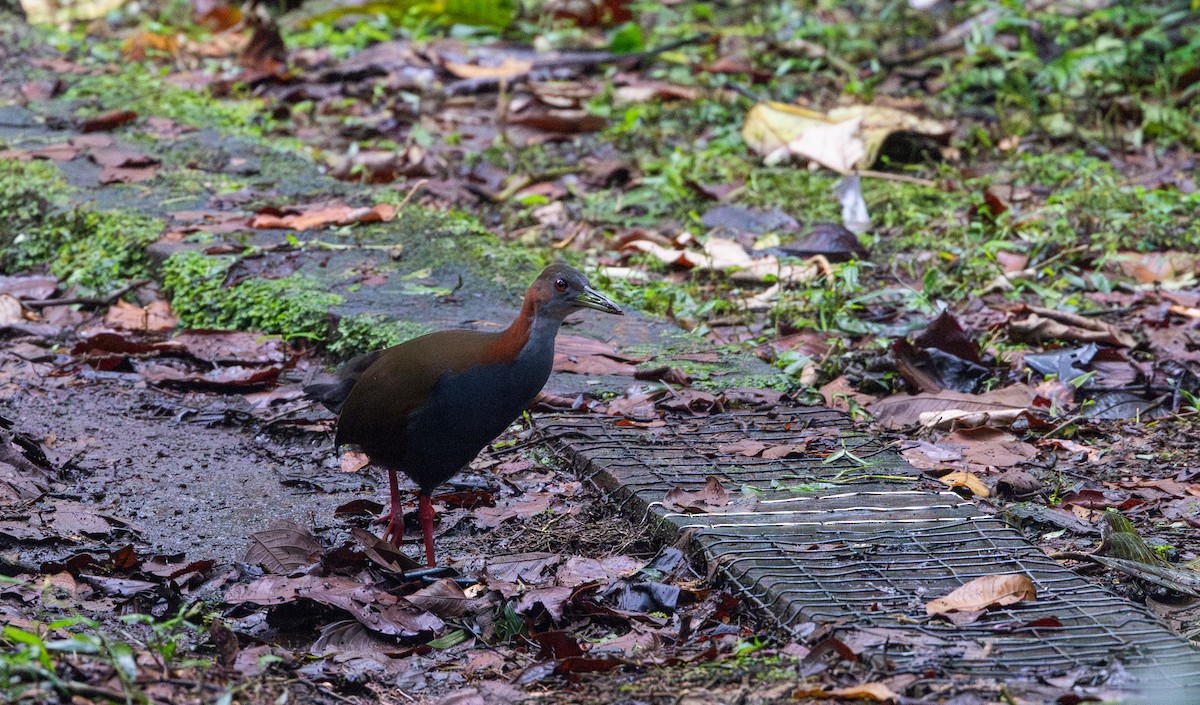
(394, 533)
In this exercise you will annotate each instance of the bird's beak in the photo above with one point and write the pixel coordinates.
(590, 298)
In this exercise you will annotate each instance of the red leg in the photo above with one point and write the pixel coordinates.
(394, 532)
(425, 513)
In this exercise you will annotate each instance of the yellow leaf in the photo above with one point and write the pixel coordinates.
(968, 480)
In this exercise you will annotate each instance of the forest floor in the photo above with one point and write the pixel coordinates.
(197, 219)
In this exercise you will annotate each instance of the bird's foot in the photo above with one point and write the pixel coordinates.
(394, 533)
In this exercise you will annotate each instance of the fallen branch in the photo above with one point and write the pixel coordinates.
(89, 300)
(546, 68)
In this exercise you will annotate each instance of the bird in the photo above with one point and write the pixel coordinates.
(427, 406)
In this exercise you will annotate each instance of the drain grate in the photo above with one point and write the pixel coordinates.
(843, 534)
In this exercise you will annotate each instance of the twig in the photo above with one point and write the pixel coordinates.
(956, 36)
(90, 300)
(411, 192)
(544, 68)
(871, 174)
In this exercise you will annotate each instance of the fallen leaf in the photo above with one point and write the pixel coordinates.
(969, 601)
(1040, 325)
(106, 122)
(156, 316)
(901, 410)
(508, 67)
(283, 548)
(321, 215)
(965, 479)
(698, 501)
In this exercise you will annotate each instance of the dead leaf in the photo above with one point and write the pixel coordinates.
(156, 316)
(967, 603)
(352, 461)
(321, 215)
(866, 691)
(965, 479)
(283, 548)
(713, 495)
(106, 122)
(443, 598)
(900, 410)
(123, 166)
(574, 121)
(1043, 324)
(990, 447)
(508, 67)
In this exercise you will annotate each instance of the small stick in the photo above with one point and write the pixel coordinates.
(89, 301)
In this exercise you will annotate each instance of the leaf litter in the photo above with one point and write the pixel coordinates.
(969, 436)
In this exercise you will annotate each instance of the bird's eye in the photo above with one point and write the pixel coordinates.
(560, 284)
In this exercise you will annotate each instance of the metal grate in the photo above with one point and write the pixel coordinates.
(842, 534)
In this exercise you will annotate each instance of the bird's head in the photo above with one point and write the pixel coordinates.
(560, 289)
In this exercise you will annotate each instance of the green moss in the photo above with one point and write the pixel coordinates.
(94, 251)
(142, 88)
(28, 191)
(99, 251)
(366, 332)
(295, 306)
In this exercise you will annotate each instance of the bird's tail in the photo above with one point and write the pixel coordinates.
(333, 394)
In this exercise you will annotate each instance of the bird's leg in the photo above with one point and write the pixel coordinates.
(425, 513)
(394, 532)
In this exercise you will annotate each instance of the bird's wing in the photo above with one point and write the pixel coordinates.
(399, 382)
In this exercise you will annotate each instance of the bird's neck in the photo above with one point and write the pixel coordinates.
(527, 331)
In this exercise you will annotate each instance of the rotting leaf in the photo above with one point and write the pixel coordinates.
(377, 610)
(968, 602)
(901, 410)
(864, 691)
(712, 495)
(283, 548)
(529, 568)
(552, 599)
(443, 598)
(156, 316)
(321, 215)
(1043, 324)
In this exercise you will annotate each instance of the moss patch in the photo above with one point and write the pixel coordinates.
(366, 332)
(94, 251)
(295, 306)
(142, 88)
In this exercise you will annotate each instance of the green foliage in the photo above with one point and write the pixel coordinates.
(94, 251)
(142, 87)
(32, 663)
(1089, 73)
(29, 192)
(366, 332)
(295, 306)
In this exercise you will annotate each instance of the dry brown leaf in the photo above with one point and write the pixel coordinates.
(866, 691)
(156, 316)
(1045, 324)
(983, 592)
(713, 495)
(899, 410)
(353, 462)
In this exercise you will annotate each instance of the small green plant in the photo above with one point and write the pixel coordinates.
(366, 332)
(295, 306)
